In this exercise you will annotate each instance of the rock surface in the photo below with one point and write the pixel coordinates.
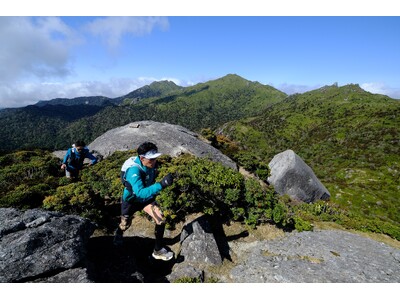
(42, 246)
(292, 176)
(38, 244)
(321, 256)
(170, 139)
(198, 250)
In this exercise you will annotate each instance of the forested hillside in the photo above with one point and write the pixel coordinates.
(209, 104)
(93, 100)
(349, 137)
(40, 127)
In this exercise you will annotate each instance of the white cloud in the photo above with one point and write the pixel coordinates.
(37, 47)
(111, 29)
(381, 88)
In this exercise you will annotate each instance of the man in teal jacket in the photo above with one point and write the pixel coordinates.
(73, 159)
(138, 175)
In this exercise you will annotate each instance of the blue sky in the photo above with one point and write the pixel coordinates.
(43, 58)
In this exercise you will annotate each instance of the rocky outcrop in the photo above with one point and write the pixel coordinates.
(172, 140)
(198, 250)
(292, 176)
(293, 257)
(321, 256)
(42, 246)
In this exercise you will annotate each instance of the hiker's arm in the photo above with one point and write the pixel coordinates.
(92, 158)
(142, 192)
(66, 156)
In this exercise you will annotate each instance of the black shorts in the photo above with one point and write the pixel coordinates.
(129, 208)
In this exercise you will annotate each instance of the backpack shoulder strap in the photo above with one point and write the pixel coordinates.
(130, 162)
(71, 157)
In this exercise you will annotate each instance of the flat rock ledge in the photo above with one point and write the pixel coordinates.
(323, 256)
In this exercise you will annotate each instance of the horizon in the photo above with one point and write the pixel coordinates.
(45, 58)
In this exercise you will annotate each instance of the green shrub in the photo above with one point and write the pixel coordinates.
(200, 185)
(76, 198)
(203, 186)
(26, 177)
(302, 225)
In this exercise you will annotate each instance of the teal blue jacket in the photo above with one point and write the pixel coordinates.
(142, 180)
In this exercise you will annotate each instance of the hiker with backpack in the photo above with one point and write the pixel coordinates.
(73, 159)
(138, 175)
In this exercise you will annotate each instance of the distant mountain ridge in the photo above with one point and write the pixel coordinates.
(54, 124)
(92, 100)
(155, 89)
(207, 104)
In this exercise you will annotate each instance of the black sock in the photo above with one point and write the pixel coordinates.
(159, 234)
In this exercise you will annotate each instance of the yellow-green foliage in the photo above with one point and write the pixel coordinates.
(104, 177)
(99, 186)
(26, 177)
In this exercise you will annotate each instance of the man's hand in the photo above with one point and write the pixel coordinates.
(63, 166)
(167, 180)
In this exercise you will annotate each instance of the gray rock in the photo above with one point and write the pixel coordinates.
(183, 270)
(292, 176)
(170, 139)
(76, 275)
(198, 244)
(322, 256)
(199, 250)
(37, 242)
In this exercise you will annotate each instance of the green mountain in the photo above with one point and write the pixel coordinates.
(155, 89)
(349, 137)
(204, 105)
(209, 104)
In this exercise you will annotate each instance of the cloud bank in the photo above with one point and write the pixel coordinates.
(36, 57)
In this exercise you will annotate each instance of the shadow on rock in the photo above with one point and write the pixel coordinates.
(131, 262)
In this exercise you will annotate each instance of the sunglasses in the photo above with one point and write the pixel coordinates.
(79, 149)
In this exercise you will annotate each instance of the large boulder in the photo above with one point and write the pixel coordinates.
(292, 176)
(37, 244)
(170, 139)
